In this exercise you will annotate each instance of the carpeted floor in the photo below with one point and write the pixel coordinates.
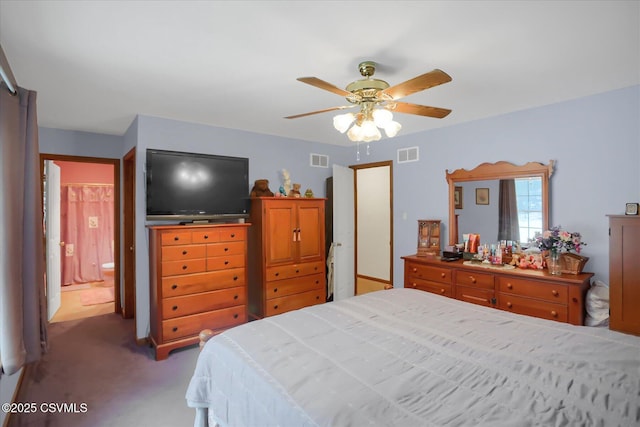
(94, 363)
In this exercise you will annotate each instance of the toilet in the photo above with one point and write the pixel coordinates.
(108, 271)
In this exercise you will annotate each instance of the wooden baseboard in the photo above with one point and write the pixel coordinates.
(15, 394)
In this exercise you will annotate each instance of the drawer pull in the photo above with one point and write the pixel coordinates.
(442, 291)
(176, 238)
(297, 271)
(175, 329)
(226, 263)
(184, 267)
(226, 249)
(235, 316)
(174, 308)
(554, 313)
(275, 289)
(509, 305)
(473, 279)
(414, 285)
(206, 236)
(509, 285)
(317, 297)
(443, 275)
(277, 274)
(317, 282)
(275, 307)
(555, 293)
(184, 252)
(414, 269)
(235, 277)
(235, 297)
(233, 235)
(174, 286)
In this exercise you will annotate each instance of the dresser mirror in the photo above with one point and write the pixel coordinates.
(502, 201)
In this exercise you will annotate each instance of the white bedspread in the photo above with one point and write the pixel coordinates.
(406, 358)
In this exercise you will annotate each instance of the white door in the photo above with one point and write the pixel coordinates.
(343, 233)
(52, 227)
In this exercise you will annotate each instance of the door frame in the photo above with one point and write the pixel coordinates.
(129, 223)
(116, 207)
(388, 163)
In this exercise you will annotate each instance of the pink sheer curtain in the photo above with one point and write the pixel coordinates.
(87, 231)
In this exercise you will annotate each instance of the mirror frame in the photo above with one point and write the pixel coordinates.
(498, 170)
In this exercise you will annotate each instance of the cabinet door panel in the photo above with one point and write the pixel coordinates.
(310, 232)
(280, 235)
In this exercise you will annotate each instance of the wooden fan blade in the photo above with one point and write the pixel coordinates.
(320, 111)
(416, 84)
(420, 110)
(314, 81)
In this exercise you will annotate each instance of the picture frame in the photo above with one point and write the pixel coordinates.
(482, 196)
(631, 209)
(457, 197)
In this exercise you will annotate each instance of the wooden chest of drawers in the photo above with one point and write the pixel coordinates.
(286, 246)
(198, 280)
(531, 292)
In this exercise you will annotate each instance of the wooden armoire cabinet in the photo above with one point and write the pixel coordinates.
(197, 281)
(287, 259)
(624, 273)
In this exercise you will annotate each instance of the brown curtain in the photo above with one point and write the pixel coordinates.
(86, 227)
(23, 317)
(508, 226)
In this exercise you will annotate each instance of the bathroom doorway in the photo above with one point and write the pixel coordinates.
(88, 203)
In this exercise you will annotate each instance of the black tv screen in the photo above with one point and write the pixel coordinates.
(194, 186)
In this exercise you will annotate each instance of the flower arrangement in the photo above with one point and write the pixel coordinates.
(558, 240)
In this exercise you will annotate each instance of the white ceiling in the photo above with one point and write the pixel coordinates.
(234, 64)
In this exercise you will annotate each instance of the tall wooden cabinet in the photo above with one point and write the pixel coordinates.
(287, 255)
(624, 273)
(197, 281)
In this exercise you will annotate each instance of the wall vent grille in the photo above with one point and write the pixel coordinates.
(411, 154)
(319, 160)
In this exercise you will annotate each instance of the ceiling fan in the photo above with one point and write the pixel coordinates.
(377, 99)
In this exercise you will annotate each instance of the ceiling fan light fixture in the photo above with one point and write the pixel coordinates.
(370, 131)
(382, 117)
(342, 122)
(392, 128)
(355, 133)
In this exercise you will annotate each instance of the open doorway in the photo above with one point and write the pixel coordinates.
(87, 281)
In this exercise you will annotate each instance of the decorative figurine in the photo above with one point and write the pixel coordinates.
(261, 188)
(308, 193)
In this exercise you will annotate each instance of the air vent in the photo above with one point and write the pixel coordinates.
(319, 160)
(411, 154)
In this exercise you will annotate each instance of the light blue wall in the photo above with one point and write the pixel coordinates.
(268, 155)
(595, 142)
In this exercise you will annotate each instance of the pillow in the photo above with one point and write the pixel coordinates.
(597, 304)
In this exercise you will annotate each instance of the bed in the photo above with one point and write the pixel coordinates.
(404, 357)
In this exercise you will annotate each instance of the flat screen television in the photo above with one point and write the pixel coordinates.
(190, 186)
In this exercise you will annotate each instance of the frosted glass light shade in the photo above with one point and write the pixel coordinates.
(392, 129)
(355, 133)
(382, 117)
(342, 122)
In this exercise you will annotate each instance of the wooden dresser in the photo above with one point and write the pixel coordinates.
(624, 273)
(531, 292)
(197, 281)
(286, 249)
